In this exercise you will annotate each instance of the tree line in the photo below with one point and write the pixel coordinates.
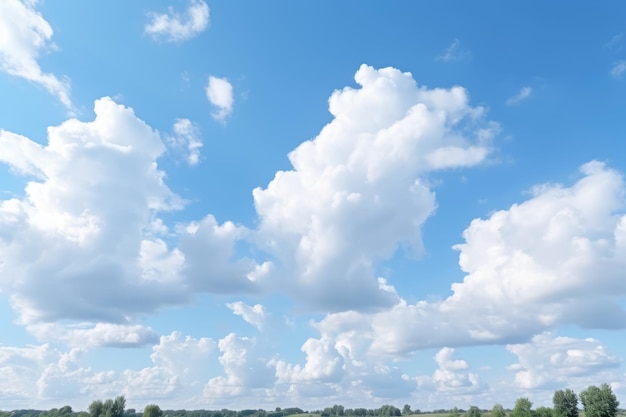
(596, 402)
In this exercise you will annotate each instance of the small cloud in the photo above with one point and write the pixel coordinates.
(186, 139)
(174, 27)
(453, 53)
(618, 69)
(255, 315)
(523, 94)
(220, 93)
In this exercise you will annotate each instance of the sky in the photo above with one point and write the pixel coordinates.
(245, 204)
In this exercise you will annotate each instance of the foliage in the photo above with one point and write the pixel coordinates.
(389, 410)
(565, 403)
(545, 412)
(599, 402)
(108, 408)
(454, 412)
(473, 412)
(152, 410)
(523, 408)
(406, 410)
(498, 411)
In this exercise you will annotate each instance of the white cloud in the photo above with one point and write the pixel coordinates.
(366, 167)
(88, 335)
(244, 369)
(174, 27)
(81, 244)
(554, 259)
(323, 364)
(453, 53)
(523, 94)
(549, 361)
(255, 315)
(618, 69)
(186, 140)
(220, 93)
(24, 33)
(43, 376)
(452, 376)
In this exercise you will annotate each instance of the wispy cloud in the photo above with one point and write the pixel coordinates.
(618, 69)
(454, 52)
(174, 27)
(186, 140)
(220, 93)
(523, 94)
(615, 42)
(25, 33)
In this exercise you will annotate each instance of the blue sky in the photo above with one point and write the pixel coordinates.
(273, 204)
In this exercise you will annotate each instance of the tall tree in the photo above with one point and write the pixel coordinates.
(523, 408)
(96, 408)
(565, 403)
(473, 412)
(406, 410)
(498, 411)
(152, 410)
(599, 402)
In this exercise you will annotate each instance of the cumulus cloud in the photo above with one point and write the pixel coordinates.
(618, 69)
(523, 94)
(70, 252)
(24, 35)
(550, 361)
(556, 258)
(83, 242)
(454, 52)
(323, 364)
(366, 167)
(244, 370)
(452, 375)
(219, 91)
(176, 27)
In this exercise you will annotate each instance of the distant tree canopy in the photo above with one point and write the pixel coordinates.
(599, 402)
(565, 403)
(152, 410)
(108, 408)
(473, 412)
(523, 408)
(544, 412)
(498, 411)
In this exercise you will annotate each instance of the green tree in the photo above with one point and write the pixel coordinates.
(544, 412)
(599, 402)
(523, 408)
(117, 410)
(565, 403)
(498, 411)
(454, 412)
(473, 412)
(152, 410)
(96, 408)
(406, 410)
